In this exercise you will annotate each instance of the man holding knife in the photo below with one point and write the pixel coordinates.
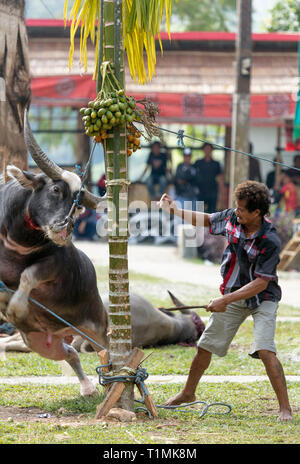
(250, 287)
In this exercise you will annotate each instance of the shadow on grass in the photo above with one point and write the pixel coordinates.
(77, 404)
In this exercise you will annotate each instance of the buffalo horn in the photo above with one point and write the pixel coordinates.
(90, 200)
(178, 303)
(50, 168)
(175, 300)
(43, 162)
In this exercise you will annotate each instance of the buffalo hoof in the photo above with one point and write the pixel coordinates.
(17, 308)
(87, 388)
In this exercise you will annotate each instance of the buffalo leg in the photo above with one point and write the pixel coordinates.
(71, 356)
(18, 305)
(13, 343)
(54, 347)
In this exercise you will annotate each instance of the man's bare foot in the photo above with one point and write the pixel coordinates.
(285, 415)
(179, 399)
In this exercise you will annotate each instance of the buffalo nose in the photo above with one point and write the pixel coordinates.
(67, 223)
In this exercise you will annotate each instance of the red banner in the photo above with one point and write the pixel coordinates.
(77, 90)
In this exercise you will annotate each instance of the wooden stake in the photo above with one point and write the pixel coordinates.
(103, 357)
(117, 388)
(148, 401)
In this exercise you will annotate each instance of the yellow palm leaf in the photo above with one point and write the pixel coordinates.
(142, 20)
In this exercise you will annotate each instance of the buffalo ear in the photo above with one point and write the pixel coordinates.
(28, 180)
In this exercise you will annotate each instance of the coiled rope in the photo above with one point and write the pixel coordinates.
(138, 376)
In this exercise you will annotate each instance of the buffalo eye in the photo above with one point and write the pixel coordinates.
(55, 189)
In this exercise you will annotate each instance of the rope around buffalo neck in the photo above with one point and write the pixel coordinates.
(125, 374)
(82, 175)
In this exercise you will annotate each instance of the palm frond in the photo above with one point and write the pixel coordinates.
(142, 20)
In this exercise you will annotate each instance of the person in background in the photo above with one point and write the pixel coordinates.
(296, 179)
(254, 167)
(157, 163)
(270, 179)
(101, 186)
(185, 181)
(288, 192)
(85, 226)
(210, 179)
(295, 175)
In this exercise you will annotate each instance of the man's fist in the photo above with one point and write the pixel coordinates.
(167, 203)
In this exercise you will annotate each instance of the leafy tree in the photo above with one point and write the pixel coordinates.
(192, 15)
(285, 16)
(204, 15)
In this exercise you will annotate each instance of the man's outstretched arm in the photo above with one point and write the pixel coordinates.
(195, 218)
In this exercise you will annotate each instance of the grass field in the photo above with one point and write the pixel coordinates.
(253, 418)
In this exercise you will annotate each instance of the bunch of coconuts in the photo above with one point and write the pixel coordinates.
(112, 108)
(104, 114)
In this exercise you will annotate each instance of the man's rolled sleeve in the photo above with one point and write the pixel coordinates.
(218, 222)
(267, 262)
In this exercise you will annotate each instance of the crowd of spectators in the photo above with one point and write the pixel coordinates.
(200, 184)
(203, 180)
(199, 181)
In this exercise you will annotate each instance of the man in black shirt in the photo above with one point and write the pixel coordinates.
(157, 162)
(209, 174)
(185, 181)
(250, 287)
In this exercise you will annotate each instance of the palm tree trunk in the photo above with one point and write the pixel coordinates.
(117, 194)
(14, 72)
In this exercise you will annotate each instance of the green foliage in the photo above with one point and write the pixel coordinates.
(285, 17)
(43, 9)
(205, 15)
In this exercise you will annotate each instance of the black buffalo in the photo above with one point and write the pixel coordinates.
(38, 259)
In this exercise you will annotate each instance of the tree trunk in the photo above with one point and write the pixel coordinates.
(117, 194)
(14, 72)
(82, 147)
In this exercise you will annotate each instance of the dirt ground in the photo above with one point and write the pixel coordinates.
(17, 414)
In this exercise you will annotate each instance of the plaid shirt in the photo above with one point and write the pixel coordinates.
(246, 258)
